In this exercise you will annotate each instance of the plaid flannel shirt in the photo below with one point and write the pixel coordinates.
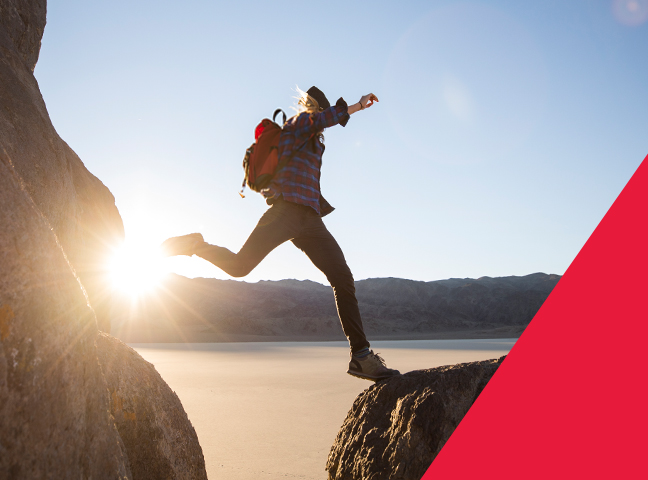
(299, 180)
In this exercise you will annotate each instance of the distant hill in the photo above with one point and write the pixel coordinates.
(208, 310)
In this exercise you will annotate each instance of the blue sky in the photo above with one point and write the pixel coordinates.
(504, 132)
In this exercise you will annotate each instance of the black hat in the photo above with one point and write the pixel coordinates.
(318, 95)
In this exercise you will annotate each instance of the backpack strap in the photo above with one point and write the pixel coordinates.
(283, 162)
(276, 112)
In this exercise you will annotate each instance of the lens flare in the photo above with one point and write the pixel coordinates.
(630, 12)
(465, 82)
(136, 269)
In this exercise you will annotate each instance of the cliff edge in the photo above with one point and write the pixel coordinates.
(59, 225)
(78, 207)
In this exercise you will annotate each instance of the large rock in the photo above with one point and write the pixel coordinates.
(397, 427)
(54, 418)
(80, 209)
(24, 22)
(58, 226)
(160, 441)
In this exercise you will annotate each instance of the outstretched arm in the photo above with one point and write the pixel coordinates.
(366, 101)
(305, 125)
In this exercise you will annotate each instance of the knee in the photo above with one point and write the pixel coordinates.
(342, 282)
(239, 271)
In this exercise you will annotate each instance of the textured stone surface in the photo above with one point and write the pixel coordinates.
(58, 226)
(397, 427)
(24, 22)
(54, 418)
(160, 441)
(77, 205)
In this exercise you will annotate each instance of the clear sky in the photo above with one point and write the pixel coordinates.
(504, 132)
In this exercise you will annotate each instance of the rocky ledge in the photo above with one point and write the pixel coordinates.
(397, 427)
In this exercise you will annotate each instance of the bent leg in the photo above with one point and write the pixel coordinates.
(276, 226)
(325, 253)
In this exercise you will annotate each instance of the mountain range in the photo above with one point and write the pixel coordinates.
(208, 310)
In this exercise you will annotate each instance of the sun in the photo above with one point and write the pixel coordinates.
(136, 269)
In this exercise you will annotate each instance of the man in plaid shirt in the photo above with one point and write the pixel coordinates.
(295, 214)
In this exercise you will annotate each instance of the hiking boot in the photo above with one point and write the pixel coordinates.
(371, 367)
(183, 245)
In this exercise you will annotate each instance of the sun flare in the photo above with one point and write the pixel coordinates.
(136, 269)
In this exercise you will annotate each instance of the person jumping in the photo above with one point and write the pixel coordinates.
(295, 214)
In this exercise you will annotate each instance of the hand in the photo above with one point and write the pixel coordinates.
(367, 100)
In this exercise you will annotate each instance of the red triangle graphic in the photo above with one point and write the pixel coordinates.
(570, 399)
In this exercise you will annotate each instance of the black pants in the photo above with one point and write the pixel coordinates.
(299, 223)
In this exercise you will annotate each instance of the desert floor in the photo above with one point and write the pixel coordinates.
(272, 410)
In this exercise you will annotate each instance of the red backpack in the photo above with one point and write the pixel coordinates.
(261, 160)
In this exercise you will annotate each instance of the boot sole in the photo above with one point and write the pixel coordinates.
(369, 377)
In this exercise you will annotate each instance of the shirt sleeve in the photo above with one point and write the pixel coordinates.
(305, 125)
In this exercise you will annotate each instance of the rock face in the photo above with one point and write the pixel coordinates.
(397, 427)
(79, 208)
(159, 438)
(57, 225)
(54, 418)
(202, 309)
(24, 22)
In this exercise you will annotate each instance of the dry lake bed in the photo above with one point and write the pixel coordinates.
(272, 410)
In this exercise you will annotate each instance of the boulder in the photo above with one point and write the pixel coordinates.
(159, 438)
(59, 226)
(79, 208)
(54, 417)
(397, 427)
